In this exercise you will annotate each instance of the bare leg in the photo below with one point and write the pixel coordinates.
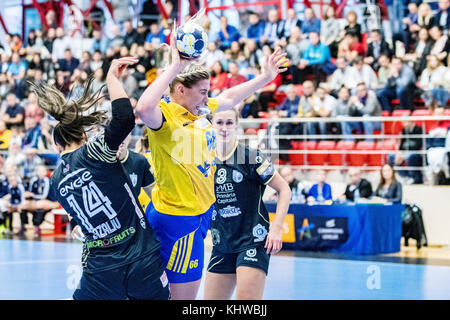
(184, 291)
(250, 283)
(219, 286)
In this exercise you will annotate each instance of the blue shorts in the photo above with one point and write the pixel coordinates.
(182, 242)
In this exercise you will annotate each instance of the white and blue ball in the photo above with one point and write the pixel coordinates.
(191, 40)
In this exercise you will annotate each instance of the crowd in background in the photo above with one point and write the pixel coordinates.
(337, 67)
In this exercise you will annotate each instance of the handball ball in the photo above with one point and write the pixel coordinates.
(191, 40)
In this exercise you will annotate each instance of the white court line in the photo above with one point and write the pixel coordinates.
(39, 261)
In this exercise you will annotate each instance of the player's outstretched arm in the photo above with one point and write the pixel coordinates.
(231, 97)
(147, 106)
(122, 121)
(274, 242)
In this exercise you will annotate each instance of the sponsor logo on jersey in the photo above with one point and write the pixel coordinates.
(214, 214)
(134, 178)
(250, 255)
(237, 176)
(164, 280)
(229, 211)
(112, 240)
(330, 223)
(259, 232)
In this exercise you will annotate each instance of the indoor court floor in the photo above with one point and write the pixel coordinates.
(50, 270)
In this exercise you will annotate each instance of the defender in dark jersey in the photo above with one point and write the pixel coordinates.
(138, 170)
(242, 236)
(121, 253)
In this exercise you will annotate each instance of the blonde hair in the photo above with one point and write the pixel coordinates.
(192, 74)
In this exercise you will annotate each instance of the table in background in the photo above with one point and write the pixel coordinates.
(354, 228)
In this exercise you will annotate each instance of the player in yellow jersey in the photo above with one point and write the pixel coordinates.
(143, 149)
(182, 144)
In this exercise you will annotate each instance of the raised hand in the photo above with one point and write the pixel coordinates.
(272, 65)
(118, 65)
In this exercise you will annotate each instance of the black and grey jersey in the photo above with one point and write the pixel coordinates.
(240, 220)
(92, 186)
(17, 194)
(138, 169)
(39, 187)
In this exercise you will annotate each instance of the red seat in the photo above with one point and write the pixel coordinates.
(428, 124)
(447, 112)
(299, 158)
(338, 159)
(358, 160)
(322, 159)
(376, 160)
(395, 127)
(263, 115)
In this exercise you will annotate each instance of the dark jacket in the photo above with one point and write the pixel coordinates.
(394, 193)
(364, 187)
(411, 143)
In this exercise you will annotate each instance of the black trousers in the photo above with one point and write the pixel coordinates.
(38, 217)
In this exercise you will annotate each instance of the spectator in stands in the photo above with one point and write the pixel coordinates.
(130, 34)
(274, 28)
(68, 65)
(338, 78)
(366, 103)
(128, 82)
(32, 133)
(422, 48)
(5, 135)
(295, 48)
(299, 189)
(435, 81)
(121, 10)
(377, 47)
(311, 23)
(85, 62)
(316, 59)
(257, 26)
(291, 22)
(323, 106)
(6, 85)
(360, 72)
(17, 68)
(36, 62)
(352, 24)
(400, 85)
(358, 188)
(117, 39)
(306, 101)
(31, 163)
(227, 34)
(411, 160)
(290, 103)
(342, 106)
(441, 45)
(389, 189)
(425, 17)
(396, 13)
(14, 113)
(234, 77)
(14, 198)
(267, 93)
(213, 54)
(351, 47)
(100, 42)
(219, 79)
(49, 37)
(60, 44)
(410, 27)
(46, 146)
(330, 30)
(97, 60)
(442, 17)
(321, 191)
(155, 37)
(141, 33)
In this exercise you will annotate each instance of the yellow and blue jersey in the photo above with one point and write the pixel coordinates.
(182, 157)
